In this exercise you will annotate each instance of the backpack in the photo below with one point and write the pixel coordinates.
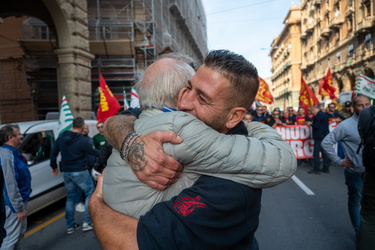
(366, 129)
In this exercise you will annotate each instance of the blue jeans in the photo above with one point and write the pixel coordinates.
(74, 183)
(317, 150)
(355, 184)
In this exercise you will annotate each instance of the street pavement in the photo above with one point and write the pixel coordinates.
(314, 217)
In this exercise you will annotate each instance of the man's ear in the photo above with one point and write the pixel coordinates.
(235, 116)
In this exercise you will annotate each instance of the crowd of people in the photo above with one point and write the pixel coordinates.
(290, 116)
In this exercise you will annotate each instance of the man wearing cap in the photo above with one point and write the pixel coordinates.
(347, 110)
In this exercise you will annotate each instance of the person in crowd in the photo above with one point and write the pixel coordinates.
(74, 148)
(260, 115)
(17, 186)
(288, 120)
(321, 107)
(266, 112)
(291, 112)
(347, 133)
(172, 214)
(301, 117)
(99, 139)
(276, 120)
(91, 160)
(333, 114)
(248, 117)
(347, 110)
(366, 233)
(319, 131)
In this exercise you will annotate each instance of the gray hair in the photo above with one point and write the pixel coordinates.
(6, 131)
(164, 86)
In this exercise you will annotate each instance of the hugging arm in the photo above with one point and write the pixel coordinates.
(153, 166)
(263, 159)
(114, 230)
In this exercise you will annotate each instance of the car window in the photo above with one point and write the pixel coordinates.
(37, 146)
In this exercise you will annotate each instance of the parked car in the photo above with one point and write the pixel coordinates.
(39, 138)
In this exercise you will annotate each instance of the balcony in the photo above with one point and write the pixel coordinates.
(310, 27)
(349, 11)
(326, 32)
(365, 24)
(336, 22)
(310, 63)
(317, 2)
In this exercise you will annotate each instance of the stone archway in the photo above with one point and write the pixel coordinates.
(74, 58)
(70, 22)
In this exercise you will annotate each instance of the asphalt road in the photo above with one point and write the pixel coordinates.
(314, 217)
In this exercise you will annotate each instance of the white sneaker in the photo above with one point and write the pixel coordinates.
(80, 207)
(87, 227)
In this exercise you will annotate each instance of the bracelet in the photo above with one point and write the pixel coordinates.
(127, 149)
(127, 143)
(124, 142)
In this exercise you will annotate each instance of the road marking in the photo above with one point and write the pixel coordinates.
(36, 229)
(302, 186)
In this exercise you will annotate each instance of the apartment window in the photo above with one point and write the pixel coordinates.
(350, 3)
(350, 51)
(337, 36)
(338, 55)
(350, 23)
(368, 42)
(367, 8)
(42, 32)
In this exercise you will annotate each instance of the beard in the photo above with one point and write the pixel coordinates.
(218, 122)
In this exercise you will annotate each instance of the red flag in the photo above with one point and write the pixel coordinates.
(307, 97)
(325, 86)
(264, 94)
(109, 105)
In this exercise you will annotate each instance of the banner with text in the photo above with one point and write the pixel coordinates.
(300, 138)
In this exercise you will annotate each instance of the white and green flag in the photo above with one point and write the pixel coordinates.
(365, 86)
(66, 116)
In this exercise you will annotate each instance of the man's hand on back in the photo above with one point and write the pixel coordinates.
(149, 162)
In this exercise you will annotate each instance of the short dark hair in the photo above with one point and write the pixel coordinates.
(6, 131)
(78, 122)
(241, 74)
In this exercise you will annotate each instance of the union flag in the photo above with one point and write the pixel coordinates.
(307, 97)
(108, 106)
(325, 86)
(264, 93)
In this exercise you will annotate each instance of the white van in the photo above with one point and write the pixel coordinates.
(39, 138)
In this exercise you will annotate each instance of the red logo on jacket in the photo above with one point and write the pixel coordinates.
(187, 205)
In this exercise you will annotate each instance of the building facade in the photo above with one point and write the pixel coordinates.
(55, 47)
(336, 35)
(286, 60)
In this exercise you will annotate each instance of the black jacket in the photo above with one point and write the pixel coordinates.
(74, 148)
(320, 126)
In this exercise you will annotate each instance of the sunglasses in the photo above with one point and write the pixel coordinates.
(331, 107)
(99, 127)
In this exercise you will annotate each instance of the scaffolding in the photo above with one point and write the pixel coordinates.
(124, 35)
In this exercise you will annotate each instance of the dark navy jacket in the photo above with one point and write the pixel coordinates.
(320, 126)
(74, 148)
(212, 214)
